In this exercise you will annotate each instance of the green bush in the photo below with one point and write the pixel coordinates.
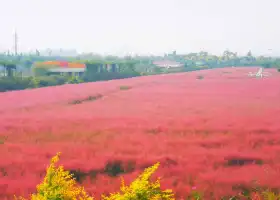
(14, 83)
(18, 83)
(44, 81)
(74, 80)
(52, 80)
(60, 79)
(34, 83)
(39, 71)
(278, 69)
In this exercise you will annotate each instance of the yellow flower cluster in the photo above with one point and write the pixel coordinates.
(59, 184)
(142, 189)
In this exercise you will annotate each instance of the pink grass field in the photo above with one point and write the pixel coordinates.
(194, 127)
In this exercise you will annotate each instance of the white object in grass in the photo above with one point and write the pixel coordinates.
(259, 74)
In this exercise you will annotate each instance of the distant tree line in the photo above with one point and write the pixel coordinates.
(96, 71)
(112, 67)
(229, 58)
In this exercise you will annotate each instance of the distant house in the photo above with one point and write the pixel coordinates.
(61, 68)
(168, 64)
(67, 71)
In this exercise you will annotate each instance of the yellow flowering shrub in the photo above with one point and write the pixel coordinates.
(59, 184)
(142, 188)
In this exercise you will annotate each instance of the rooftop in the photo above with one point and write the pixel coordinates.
(167, 63)
(66, 69)
(62, 64)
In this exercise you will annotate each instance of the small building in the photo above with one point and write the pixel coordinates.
(59, 67)
(168, 64)
(67, 71)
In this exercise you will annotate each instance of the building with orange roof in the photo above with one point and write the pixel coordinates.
(62, 67)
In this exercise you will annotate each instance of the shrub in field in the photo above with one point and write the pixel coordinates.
(257, 195)
(142, 188)
(278, 69)
(45, 81)
(125, 87)
(59, 184)
(74, 80)
(60, 79)
(89, 98)
(200, 77)
(40, 71)
(34, 83)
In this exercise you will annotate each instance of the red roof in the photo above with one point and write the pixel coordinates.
(62, 64)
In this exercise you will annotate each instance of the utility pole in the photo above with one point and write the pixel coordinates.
(16, 43)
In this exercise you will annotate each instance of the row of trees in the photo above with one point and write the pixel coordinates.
(9, 68)
(112, 67)
(225, 59)
(229, 58)
(96, 71)
(226, 55)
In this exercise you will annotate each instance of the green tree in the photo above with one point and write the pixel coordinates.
(10, 67)
(249, 54)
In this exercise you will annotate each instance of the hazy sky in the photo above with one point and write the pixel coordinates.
(142, 26)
